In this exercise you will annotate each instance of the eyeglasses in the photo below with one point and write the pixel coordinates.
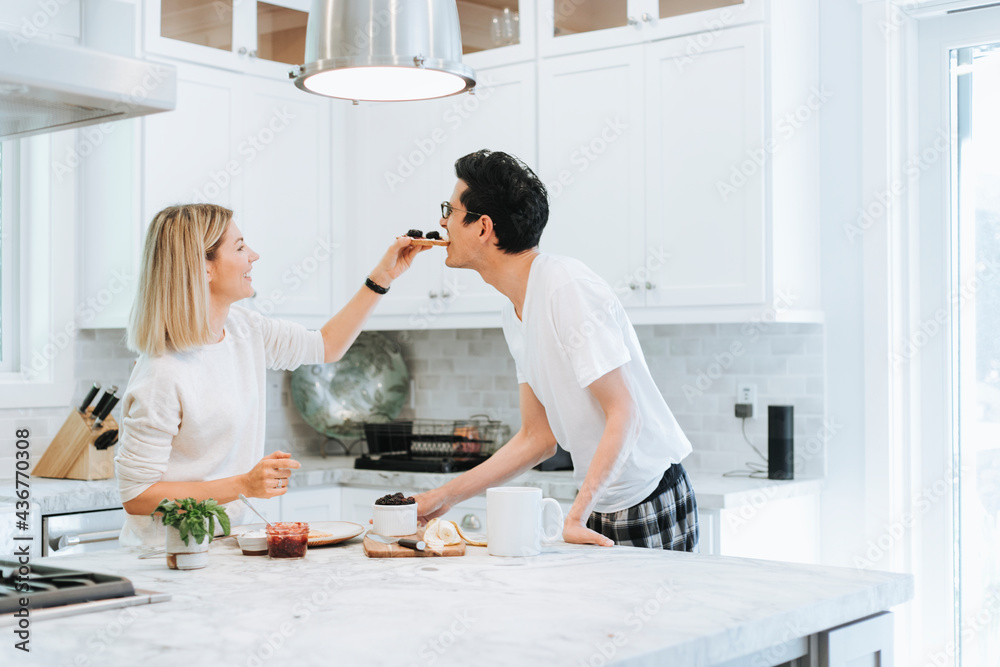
(447, 209)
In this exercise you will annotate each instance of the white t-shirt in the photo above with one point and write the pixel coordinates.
(573, 330)
(199, 415)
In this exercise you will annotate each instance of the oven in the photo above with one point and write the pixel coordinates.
(79, 532)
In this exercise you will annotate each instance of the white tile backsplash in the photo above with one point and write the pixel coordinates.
(459, 373)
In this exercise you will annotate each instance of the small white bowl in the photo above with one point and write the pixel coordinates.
(394, 520)
(253, 543)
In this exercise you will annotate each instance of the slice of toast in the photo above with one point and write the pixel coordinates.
(430, 242)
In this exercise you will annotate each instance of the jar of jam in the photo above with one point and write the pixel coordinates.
(287, 540)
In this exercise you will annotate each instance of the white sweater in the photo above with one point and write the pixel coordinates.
(199, 415)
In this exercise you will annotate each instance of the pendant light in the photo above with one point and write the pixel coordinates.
(384, 50)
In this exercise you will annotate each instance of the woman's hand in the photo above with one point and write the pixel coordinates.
(269, 478)
(396, 260)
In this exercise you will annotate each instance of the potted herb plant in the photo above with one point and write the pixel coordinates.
(190, 525)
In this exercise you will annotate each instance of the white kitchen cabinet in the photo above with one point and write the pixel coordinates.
(312, 504)
(395, 151)
(639, 164)
(784, 529)
(492, 36)
(356, 503)
(709, 202)
(286, 215)
(704, 116)
(110, 243)
(404, 169)
(192, 154)
(258, 146)
(263, 38)
(574, 26)
(500, 116)
(591, 145)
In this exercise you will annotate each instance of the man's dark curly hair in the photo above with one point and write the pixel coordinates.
(504, 188)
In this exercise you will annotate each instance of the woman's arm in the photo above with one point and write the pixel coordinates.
(260, 482)
(343, 328)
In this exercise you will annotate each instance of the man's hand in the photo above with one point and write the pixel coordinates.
(575, 532)
(430, 505)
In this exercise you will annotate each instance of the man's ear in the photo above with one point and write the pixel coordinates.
(485, 226)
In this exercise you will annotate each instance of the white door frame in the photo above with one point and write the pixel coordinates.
(907, 277)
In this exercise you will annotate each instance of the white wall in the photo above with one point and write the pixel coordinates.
(843, 503)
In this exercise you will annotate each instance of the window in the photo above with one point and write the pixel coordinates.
(36, 274)
(9, 245)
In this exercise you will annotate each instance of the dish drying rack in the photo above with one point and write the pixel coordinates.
(477, 436)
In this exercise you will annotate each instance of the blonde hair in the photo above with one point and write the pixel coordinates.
(170, 311)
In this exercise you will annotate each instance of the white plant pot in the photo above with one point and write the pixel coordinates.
(180, 556)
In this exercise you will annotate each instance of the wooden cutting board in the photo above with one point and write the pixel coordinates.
(375, 549)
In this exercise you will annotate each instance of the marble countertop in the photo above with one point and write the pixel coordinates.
(714, 491)
(570, 605)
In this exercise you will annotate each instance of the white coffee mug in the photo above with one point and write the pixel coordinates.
(514, 517)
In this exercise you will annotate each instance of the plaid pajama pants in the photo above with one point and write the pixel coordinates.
(667, 519)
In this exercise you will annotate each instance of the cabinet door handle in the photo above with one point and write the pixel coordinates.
(432, 294)
(242, 51)
(633, 285)
(446, 294)
(647, 17)
(471, 522)
(650, 285)
(632, 21)
(253, 54)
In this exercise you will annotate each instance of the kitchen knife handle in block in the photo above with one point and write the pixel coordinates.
(89, 398)
(103, 400)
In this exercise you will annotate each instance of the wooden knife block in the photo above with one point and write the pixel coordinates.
(72, 454)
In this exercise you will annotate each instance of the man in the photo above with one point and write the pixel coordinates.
(583, 380)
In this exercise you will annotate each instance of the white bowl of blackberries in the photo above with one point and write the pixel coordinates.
(394, 515)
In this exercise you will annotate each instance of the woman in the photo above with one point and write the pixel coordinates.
(193, 411)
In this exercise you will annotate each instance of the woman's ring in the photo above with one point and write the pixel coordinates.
(278, 485)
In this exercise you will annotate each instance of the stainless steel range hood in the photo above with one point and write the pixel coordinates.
(45, 87)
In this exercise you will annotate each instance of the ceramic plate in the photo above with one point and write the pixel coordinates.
(339, 531)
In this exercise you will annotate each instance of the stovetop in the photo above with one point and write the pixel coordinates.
(411, 463)
(46, 586)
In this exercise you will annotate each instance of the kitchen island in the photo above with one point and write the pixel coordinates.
(570, 605)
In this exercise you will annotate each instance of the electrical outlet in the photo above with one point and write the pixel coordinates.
(746, 400)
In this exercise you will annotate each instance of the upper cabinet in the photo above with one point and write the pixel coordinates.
(402, 168)
(497, 32)
(572, 26)
(264, 38)
(695, 160)
(260, 147)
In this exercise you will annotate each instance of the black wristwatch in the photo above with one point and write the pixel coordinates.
(375, 287)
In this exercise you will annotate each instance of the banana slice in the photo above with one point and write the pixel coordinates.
(445, 532)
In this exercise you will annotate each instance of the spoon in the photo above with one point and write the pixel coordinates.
(244, 499)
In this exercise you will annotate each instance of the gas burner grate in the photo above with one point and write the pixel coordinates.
(53, 587)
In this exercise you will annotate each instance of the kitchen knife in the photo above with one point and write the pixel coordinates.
(109, 405)
(106, 439)
(105, 397)
(418, 545)
(89, 397)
